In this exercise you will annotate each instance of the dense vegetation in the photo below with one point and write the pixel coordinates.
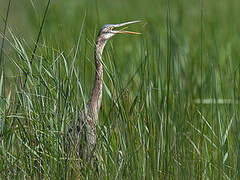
(170, 99)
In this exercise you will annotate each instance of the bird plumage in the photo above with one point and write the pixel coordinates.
(83, 133)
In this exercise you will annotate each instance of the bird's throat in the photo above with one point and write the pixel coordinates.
(96, 96)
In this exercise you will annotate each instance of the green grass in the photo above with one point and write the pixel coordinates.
(170, 100)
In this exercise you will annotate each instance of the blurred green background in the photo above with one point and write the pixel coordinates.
(219, 24)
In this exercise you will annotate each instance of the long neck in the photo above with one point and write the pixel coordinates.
(95, 100)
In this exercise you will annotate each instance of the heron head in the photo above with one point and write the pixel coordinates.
(109, 30)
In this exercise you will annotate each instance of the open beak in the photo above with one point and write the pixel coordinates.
(122, 31)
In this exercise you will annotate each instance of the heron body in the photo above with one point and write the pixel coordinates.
(85, 128)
